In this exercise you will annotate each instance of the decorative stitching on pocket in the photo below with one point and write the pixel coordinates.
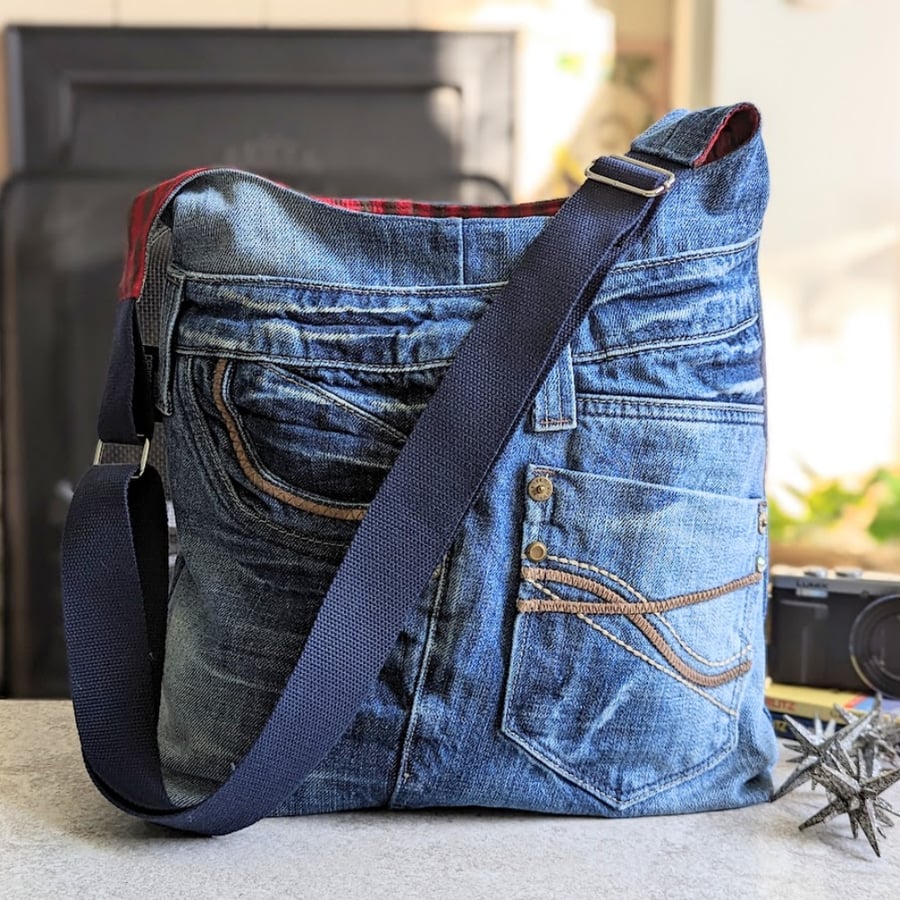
(680, 666)
(614, 603)
(349, 513)
(592, 568)
(658, 641)
(212, 466)
(712, 663)
(656, 665)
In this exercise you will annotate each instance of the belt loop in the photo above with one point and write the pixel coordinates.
(554, 405)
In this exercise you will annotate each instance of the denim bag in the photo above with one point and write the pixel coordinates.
(469, 500)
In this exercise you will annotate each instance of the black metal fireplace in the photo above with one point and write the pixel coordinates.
(98, 113)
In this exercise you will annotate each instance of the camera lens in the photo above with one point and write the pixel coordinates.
(875, 645)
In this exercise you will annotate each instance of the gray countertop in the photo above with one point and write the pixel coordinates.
(59, 838)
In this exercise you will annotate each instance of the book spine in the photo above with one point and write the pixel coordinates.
(800, 708)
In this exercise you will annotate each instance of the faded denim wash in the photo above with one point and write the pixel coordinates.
(593, 641)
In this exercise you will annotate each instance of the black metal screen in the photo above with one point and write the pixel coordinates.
(99, 114)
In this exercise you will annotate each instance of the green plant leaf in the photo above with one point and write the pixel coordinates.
(886, 524)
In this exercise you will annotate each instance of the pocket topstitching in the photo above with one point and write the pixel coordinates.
(631, 641)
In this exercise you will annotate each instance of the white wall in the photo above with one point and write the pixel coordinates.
(826, 74)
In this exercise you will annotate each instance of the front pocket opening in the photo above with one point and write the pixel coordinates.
(255, 477)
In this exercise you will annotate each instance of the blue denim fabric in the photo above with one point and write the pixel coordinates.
(301, 342)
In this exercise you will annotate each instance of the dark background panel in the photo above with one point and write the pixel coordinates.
(98, 114)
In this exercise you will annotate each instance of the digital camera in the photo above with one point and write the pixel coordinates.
(835, 628)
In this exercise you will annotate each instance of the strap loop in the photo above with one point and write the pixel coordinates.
(654, 191)
(142, 464)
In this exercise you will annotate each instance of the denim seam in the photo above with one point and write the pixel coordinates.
(687, 340)
(156, 237)
(461, 255)
(220, 481)
(689, 256)
(309, 362)
(461, 289)
(673, 411)
(217, 351)
(617, 801)
(559, 421)
(559, 394)
(671, 403)
(178, 568)
(261, 281)
(559, 472)
(421, 678)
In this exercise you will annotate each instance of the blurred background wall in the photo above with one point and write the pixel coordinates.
(577, 37)
(588, 75)
(826, 74)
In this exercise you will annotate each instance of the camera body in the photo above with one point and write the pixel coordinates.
(835, 628)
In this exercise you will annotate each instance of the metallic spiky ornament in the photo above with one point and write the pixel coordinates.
(845, 762)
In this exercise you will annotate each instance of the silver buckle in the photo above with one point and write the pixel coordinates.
(632, 189)
(145, 452)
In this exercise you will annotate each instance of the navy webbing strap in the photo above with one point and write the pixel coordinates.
(114, 569)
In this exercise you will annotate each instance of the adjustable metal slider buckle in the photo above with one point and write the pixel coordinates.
(145, 452)
(624, 185)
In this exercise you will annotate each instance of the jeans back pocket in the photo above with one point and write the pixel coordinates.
(632, 638)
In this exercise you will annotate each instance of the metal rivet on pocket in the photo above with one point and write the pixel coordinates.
(760, 564)
(762, 518)
(536, 551)
(540, 488)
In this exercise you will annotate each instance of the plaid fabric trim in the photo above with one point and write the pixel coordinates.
(446, 210)
(142, 217)
(149, 204)
(733, 132)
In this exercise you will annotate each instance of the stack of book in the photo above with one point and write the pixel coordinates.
(805, 703)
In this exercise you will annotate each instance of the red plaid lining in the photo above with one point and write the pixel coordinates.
(446, 210)
(150, 203)
(144, 212)
(734, 131)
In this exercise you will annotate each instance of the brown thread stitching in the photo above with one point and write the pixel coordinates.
(660, 618)
(682, 667)
(652, 662)
(591, 568)
(614, 604)
(635, 613)
(352, 514)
